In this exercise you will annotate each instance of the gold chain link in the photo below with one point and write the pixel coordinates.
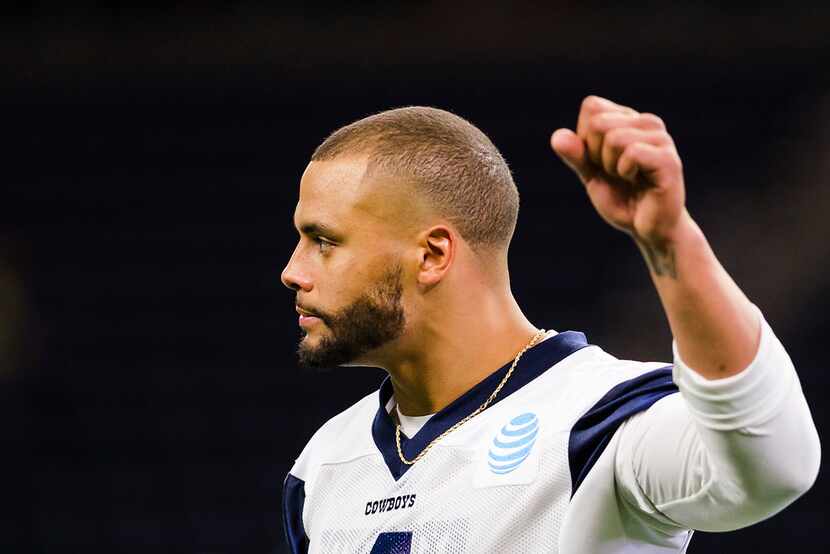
(478, 410)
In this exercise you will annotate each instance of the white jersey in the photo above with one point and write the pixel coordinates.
(581, 453)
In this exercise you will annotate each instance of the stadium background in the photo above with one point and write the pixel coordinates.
(149, 398)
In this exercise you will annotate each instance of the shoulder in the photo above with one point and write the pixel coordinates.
(344, 437)
(596, 363)
(580, 391)
(588, 375)
(604, 392)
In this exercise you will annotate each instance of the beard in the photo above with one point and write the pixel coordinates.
(374, 319)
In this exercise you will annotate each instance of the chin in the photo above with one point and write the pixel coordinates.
(311, 336)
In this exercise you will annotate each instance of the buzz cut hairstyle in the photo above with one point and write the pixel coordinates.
(456, 168)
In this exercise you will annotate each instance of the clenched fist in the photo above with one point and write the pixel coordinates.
(629, 166)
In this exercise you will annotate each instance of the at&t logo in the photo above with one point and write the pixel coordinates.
(512, 444)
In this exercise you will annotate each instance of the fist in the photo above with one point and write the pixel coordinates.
(629, 166)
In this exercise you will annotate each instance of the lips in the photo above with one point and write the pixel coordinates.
(307, 318)
(305, 312)
(307, 321)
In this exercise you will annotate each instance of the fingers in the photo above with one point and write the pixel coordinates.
(608, 129)
(643, 158)
(598, 127)
(571, 150)
(616, 140)
(593, 105)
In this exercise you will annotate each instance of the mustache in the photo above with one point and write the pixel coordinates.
(312, 311)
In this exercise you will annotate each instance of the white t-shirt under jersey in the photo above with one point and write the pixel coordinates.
(410, 425)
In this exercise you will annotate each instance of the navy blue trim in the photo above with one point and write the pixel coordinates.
(293, 499)
(533, 363)
(591, 433)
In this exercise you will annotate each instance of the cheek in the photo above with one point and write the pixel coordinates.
(349, 274)
(339, 284)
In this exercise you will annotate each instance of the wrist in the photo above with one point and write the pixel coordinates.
(682, 230)
(662, 251)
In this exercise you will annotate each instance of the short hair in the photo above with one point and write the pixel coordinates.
(458, 169)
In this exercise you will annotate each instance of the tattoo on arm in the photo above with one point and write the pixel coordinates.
(660, 260)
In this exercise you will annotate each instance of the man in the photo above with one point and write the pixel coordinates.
(491, 435)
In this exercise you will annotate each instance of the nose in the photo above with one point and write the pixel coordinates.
(293, 277)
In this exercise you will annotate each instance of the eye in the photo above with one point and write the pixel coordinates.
(323, 245)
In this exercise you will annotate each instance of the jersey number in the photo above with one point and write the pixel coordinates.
(393, 543)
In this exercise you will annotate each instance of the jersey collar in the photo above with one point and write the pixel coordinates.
(533, 363)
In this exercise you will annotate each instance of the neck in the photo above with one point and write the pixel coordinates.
(455, 349)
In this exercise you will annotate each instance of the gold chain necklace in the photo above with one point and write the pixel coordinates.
(478, 410)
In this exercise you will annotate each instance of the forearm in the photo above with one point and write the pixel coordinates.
(715, 326)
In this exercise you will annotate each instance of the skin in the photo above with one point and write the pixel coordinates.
(632, 173)
(462, 322)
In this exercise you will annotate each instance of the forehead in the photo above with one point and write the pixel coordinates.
(331, 183)
(335, 193)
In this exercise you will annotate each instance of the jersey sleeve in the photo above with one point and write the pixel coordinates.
(722, 454)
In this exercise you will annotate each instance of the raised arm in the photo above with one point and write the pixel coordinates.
(738, 444)
(633, 175)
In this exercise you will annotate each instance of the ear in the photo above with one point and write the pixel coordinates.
(436, 254)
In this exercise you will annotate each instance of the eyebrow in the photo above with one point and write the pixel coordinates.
(317, 229)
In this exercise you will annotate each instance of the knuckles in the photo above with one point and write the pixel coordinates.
(616, 138)
(590, 103)
(634, 135)
(653, 120)
(603, 121)
(597, 123)
(674, 160)
(670, 159)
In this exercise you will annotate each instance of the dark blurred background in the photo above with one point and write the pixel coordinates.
(149, 397)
